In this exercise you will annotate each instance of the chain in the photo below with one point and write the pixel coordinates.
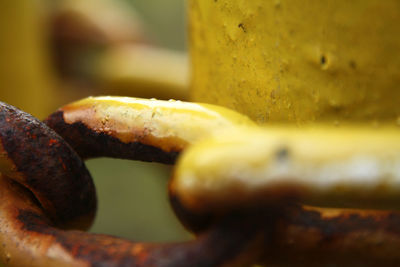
(47, 197)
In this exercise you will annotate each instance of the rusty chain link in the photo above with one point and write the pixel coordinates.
(46, 191)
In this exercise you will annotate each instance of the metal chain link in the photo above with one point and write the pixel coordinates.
(46, 190)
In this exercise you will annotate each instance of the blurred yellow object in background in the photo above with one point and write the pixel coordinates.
(26, 79)
(54, 53)
(143, 71)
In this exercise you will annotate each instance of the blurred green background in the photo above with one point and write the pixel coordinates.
(165, 20)
(133, 201)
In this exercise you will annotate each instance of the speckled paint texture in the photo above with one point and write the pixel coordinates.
(298, 61)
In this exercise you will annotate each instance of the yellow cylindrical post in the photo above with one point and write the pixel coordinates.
(298, 61)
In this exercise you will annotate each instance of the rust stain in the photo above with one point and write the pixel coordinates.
(281, 234)
(90, 143)
(52, 142)
(66, 193)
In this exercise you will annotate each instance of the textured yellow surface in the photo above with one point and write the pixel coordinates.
(298, 61)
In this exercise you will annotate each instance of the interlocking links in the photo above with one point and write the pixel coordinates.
(296, 234)
(135, 128)
(331, 167)
(27, 238)
(37, 158)
(222, 188)
(308, 237)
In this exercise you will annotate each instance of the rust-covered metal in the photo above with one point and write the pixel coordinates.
(309, 236)
(137, 128)
(301, 236)
(39, 159)
(290, 234)
(90, 143)
(28, 238)
(36, 167)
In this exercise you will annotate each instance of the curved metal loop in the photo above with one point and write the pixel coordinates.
(39, 159)
(276, 233)
(28, 238)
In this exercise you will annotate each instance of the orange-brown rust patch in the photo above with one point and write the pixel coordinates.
(52, 142)
(140, 252)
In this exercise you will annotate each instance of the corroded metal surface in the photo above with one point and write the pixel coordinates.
(39, 159)
(90, 143)
(139, 129)
(281, 232)
(29, 239)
